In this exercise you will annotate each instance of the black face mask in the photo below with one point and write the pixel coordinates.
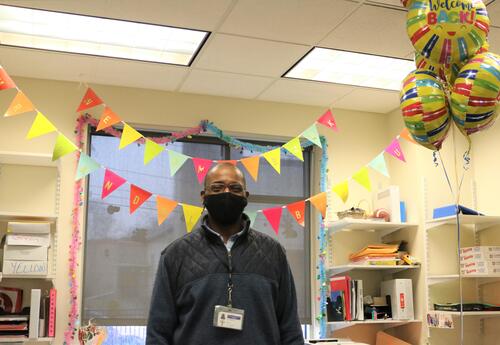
(225, 208)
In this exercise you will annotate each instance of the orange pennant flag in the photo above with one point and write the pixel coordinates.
(108, 118)
(252, 166)
(319, 202)
(137, 197)
(405, 133)
(165, 207)
(21, 104)
(297, 210)
(90, 100)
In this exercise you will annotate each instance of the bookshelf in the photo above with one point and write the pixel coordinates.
(382, 324)
(29, 191)
(384, 228)
(389, 269)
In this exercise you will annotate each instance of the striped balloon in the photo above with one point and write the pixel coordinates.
(476, 93)
(447, 31)
(424, 108)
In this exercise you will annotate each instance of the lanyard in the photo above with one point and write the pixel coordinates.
(230, 282)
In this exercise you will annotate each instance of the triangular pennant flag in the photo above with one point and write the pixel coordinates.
(137, 197)
(176, 160)
(342, 190)
(201, 167)
(395, 150)
(40, 126)
(378, 163)
(319, 202)
(363, 178)
(89, 100)
(312, 135)
(274, 158)
(230, 161)
(405, 133)
(273, 216)
(5, 81)
(108, 118)
(62, 147)
(252, 166)
(327, 120)
(129, 135)
(165, 207)
(111, 183)
(297, 210)
(251, 215)
(19, 105)
(191, 215)
(86, 165)
(151, 150)
(293, 146)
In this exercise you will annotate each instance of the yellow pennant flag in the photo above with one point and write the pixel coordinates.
(293, 146)
(151, 150)
(62, 147)
(342, 190)
(40, 126)
(129, 135)
(191, 215)
(20, 105)
(363, 178)
(274, 158)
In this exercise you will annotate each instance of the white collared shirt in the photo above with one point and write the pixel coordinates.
(230, 242)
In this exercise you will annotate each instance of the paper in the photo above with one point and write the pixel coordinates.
(137, 197)
(165, 206)
(40, 126)
(294, 147)
(108, 118)
(21, 104)
(363, 178)
(151, 150)
(273, 216)
(379, 164)
(274, 158)
(111, 183)
(62, 147)
(319, 202)
(297, 210)
(327, 120)
(252, 166)
(89, 100)
(395, 150)
(312, 135)
(342, 190)
(86, 165)
(129, 135)
(191, 215)
(176, 161)
(201, 167)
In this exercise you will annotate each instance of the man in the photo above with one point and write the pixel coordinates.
(224, 283)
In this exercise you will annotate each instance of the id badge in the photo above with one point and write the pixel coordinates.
(225, 317)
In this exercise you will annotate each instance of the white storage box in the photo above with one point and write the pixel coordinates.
(401, 293)
(31, 268)
(26, 253)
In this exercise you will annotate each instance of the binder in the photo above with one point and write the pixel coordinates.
(34, 324)
(51, 329)
(343, 284)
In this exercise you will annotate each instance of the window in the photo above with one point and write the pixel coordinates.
(122, 250)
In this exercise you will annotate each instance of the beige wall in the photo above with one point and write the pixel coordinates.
(361, 136)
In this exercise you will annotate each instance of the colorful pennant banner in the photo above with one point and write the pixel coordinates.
(90, 100)
(20, 105)
(394, 149)
(62, 147)
(191, 215)
(294, 147)
(165, 206)
(5, 81)
(201, 167)
(327, 120)
(274, 158)
(151, 150)
(252, 166)
(129, 135)
(111, 183)
(273, 216)
(86, 165)
(319, 202)
(108, 118)
(297, 210)
(137, 197)
(40, 126)
(176, 161)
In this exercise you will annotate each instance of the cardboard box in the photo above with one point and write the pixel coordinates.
(28, 227)
(480, 271)
(27, 253)
(480, 264)
(28, 240)
(31, 268)
(480, 257)
(480, 250)
(386, 339)
(401, 293)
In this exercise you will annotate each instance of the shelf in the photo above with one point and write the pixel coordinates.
(481, 222)
(384, 228)
(20, 276)
(389, 269)
(383, 323)
(17, 216)
(482, 278)
(26, 158)
(25, 340)
(480, 314)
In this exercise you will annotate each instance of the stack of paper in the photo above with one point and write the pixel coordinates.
(482, 260)
(376, 254)
(26, 248)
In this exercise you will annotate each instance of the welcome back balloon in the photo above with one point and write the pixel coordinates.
(447, 31)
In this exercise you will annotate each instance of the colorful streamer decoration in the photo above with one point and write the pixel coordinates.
(447, 31)
(424, 108)
(476, 92)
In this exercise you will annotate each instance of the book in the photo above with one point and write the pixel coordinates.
(34, 324)
(51, 327)
(342, 283)
(28, 227)
(11, 300)
(338, 306)
(360, 303)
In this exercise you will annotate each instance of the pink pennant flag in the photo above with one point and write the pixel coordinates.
(327, 120)
(273, 216)
(111, 183)
(395, 150)
(201, 167)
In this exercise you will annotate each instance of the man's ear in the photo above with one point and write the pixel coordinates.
(202, 197)
(248, 194)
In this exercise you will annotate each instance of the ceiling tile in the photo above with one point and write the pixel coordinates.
(367, 31)
(193, 14)
(369, 100)
(249, 56)
(224, 84)
(305, 92)
(298, 21)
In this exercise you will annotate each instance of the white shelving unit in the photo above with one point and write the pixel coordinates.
(481, 278)
(478, 314)
(366, 231)
(25, 160)
(479, 222)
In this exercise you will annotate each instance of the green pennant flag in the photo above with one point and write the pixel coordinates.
(151, 150)
(293, 146)
(62, 147)
(86, 165)
(252, 215)
(176, 160)
(312, 135)
(378, 163)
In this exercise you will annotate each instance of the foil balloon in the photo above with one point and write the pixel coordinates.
(424, 109)
(447, 31)
(475, 94)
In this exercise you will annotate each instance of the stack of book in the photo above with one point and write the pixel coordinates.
(26, 248)
(13, 327)
(480, 260)
(346, 299)
(42, 321)
(376, 254)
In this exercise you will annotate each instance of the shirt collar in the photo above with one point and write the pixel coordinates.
(245, 225)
